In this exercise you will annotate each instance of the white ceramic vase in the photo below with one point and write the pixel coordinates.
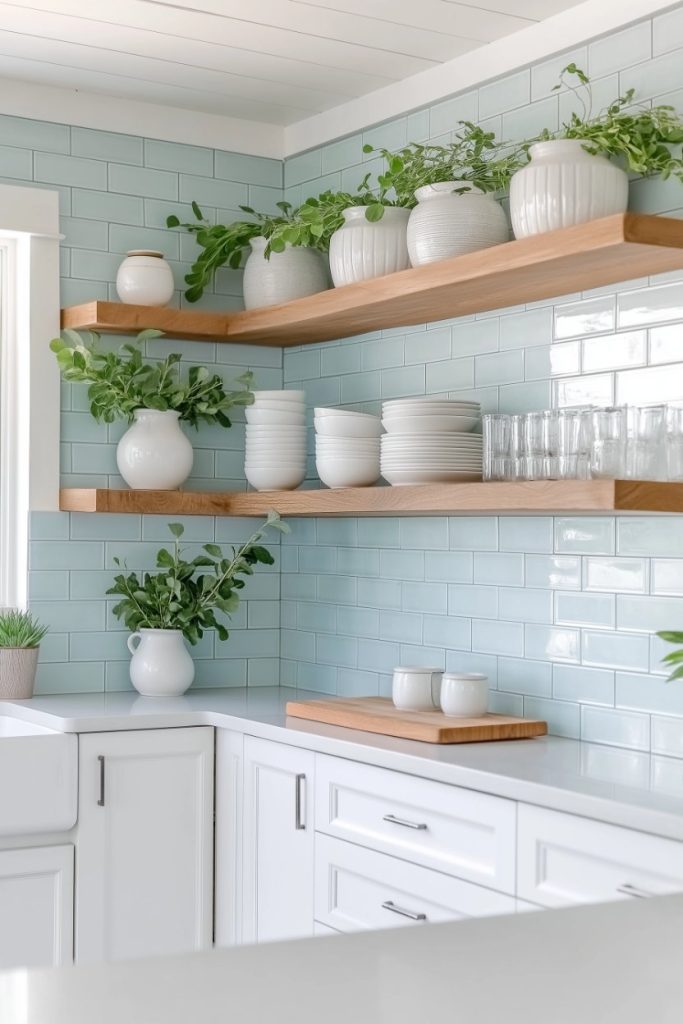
(464, 694)
(17, 672)
(361, 249)
(288, 275)
(161, 665)
(564, 185)
(154, 454)
(447, 223)
(145, 279)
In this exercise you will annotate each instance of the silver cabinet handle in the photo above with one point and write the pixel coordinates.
(393, 820)
(633, 890)
(299, 802)
(412, 914)
(100, 802)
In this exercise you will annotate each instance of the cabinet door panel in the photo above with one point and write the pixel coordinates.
(36, 907)
(278, 841)
(144, 883)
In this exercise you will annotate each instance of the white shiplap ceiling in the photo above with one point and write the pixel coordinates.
(274, 62)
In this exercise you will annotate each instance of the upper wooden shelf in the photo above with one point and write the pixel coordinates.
(525, 497)
(601, 252)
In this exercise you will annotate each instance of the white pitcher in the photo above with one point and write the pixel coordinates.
(154, 454)
(161, 665)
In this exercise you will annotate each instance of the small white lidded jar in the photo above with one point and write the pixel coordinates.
(464, 694)
(416, 689)
(145, 279)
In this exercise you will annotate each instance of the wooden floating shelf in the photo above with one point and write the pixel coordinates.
(598, 253)
(525, 497)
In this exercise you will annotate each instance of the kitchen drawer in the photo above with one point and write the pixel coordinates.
(459, 831)
(358, 889)
(563, 859)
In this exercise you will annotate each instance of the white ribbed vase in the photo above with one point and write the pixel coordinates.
(447, 223)
(17, 672)
(361, 249)
(564, 185)
(154, 454)
(288, 275)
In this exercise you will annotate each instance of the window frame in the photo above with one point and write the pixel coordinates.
(29, 377)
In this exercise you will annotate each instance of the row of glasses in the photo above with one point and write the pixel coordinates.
(627, 442)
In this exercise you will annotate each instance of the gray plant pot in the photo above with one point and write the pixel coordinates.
(17, 672)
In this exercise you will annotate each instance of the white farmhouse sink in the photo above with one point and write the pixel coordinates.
(38, 778)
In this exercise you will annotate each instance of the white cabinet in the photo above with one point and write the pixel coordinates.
(229, 810)
(36, 907)
(357, 889)
(564, 859)
(278, 841)
(144, 857)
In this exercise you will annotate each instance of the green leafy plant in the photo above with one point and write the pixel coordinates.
(674, 660)
(182, 596)
(120, 382)
(19, 629)
(474, 156)
(641, 137)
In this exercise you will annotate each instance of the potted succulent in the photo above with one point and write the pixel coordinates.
(580, 172)
(449, 190)
(20, 637)
(179, 602)
(284, 261)
(154, 453)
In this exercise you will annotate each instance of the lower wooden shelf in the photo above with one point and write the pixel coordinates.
(523, 497)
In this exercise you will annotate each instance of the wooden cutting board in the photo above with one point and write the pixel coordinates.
(378, 714)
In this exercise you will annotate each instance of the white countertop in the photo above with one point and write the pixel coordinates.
(625, 787)
(614, 963)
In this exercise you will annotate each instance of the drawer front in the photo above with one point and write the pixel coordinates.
(358, 889)
(563, 859)
(461, 832)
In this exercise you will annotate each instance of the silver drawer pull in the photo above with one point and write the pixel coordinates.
(299, 805)
(393, 820)
(390, 905)
(632, 890)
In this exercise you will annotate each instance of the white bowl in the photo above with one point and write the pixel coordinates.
(351, 444)
(321, 413)
(276, 429)
(272, 418)
(342, 426)
(347, 473)
(429, 424)
(278, 407)
(281, 478)
(280, 396)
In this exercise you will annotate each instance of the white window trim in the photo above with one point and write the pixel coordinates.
(29, 377)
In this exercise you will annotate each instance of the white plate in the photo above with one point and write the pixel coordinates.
(428, 400)
(430, 424)
(320, 413)
(399, 478)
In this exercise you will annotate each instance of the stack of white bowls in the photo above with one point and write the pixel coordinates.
(276, 440)
(347, 447)
(429, 440)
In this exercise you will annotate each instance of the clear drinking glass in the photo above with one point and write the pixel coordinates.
(674, 443)
(608, 446)
(496, 446)
(646, 454)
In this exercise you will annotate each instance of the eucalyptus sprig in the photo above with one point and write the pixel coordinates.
(19, 629)
(474, 156)
(674, 660)
(120, 382)
(641, 137)
(182, 596)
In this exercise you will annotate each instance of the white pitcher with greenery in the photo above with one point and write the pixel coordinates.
(20, 637)
(179, 602)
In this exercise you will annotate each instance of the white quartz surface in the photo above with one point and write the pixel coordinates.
(616, 963)
(625, 787)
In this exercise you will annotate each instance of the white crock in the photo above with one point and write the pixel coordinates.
(447, 223)
(361, 249)
(17, 672)
(564, 185)
(154, 454)
(161, 665)
(285, 276)
(145, 279)
(464, 694)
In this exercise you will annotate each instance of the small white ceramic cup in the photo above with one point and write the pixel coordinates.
(416, 689)
(464, 694)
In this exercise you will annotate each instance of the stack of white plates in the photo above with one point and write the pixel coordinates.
(428, 440)
(276, 440)
(347, 447)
